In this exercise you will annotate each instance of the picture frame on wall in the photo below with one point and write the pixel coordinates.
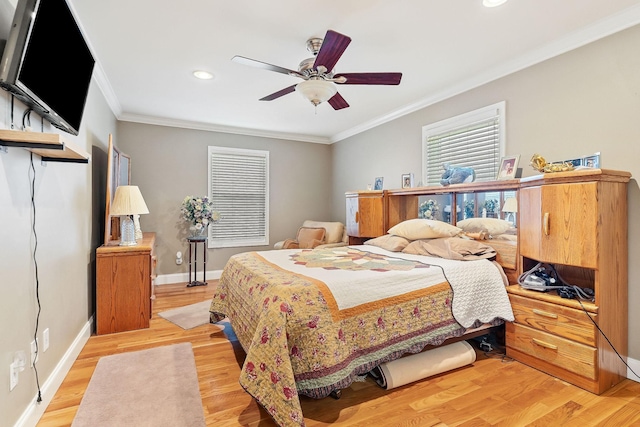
(407, 180)
(377, 184)
(508, 167)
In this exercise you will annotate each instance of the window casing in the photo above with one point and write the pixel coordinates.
(239, 190)
(475, 139)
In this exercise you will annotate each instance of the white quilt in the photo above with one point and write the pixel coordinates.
(478, 287)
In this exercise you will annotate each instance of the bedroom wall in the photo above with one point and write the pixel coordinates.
(578, 103)
(70, 199)
(169, 163)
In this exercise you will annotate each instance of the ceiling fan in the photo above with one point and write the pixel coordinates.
(319, 80)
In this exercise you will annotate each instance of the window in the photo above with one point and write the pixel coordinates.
(474, 139)
(239, 190)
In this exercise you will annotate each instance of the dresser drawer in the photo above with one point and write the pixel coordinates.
(556, 319)
(569, 355)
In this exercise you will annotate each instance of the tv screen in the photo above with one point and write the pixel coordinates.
(47, 63)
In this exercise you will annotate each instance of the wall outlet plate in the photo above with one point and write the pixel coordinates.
(45, 340)
(13, 375)
(34, 354)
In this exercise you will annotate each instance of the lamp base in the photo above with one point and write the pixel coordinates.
(127, 232)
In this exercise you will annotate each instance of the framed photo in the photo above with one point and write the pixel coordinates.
(591, 161)
(407, 180)
(377, 184)
(508, 167)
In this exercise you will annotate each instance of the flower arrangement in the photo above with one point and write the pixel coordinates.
(428, 209)
(199, 211)
(490, 206)
(469, 209)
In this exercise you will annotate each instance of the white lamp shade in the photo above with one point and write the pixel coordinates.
(128, 201)
(316, 91)
(510, 205)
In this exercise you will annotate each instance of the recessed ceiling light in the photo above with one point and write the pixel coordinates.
(204, 75)
(493, 3)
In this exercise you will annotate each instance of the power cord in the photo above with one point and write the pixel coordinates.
(607, 338)
(35, 263)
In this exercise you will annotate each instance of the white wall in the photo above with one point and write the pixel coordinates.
(69, 201)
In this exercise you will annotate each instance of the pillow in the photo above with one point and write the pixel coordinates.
(334, 230)
(414, 229)
(307, 236)
(389, 242)
(493, 226)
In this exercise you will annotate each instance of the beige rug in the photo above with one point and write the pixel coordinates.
(156, 387)
(189, 316)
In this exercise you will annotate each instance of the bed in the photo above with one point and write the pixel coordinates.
(313, 321)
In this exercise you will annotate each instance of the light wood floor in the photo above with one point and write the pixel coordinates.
(492, 392)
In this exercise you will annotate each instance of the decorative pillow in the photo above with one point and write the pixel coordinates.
(333, 230)
(414, 229)
(493, 226)
(307, 235)
(389, 242)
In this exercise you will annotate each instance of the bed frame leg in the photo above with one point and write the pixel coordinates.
(336, 394)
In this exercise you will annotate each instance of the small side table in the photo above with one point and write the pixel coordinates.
(193, 257)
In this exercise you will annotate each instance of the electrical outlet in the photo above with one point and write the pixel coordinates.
(13, 375)
(34, 352)
(45, 340)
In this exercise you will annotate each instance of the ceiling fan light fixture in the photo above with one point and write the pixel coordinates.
(316, 91)
(493, 3)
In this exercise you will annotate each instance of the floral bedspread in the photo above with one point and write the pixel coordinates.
(296, 345)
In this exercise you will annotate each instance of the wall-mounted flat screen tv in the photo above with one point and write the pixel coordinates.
(47, 63)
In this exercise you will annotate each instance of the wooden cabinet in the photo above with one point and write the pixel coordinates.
(366, 217)
(124, 285)
(576, 221)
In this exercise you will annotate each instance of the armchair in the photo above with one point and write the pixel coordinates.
(317, 234)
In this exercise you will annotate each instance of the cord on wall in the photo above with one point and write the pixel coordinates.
(32, 169)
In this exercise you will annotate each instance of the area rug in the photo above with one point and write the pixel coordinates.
(156, 387)
(189, 316)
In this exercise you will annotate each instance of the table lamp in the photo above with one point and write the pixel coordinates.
(128, 201)
(510, 207)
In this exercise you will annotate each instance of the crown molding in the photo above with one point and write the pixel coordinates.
(162, 121)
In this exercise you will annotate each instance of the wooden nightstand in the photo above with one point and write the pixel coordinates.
(576, 221)
(124, 285)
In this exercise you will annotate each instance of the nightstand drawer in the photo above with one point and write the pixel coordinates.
(558, 320)
(571, 356)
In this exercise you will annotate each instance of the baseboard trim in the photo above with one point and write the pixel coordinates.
(170, 279)
(635, 365)
(34, 411)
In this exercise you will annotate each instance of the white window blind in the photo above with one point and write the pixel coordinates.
(239, 190)
(474, 139)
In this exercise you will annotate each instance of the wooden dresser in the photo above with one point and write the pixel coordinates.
(124, 285)
(576, 221)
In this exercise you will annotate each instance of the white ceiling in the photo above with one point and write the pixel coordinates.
(147, 50)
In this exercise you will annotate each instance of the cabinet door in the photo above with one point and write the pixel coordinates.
(365, 215)
(565, 226)
(352, 216)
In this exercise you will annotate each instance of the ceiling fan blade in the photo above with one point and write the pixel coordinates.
(279, 93)
(333, 46)
(265, 66)
(337, 102)
(370, 78)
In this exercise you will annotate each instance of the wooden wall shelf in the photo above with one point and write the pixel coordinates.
(50, 146)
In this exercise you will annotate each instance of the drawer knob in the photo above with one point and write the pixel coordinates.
(544, 344)
(544, 314)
